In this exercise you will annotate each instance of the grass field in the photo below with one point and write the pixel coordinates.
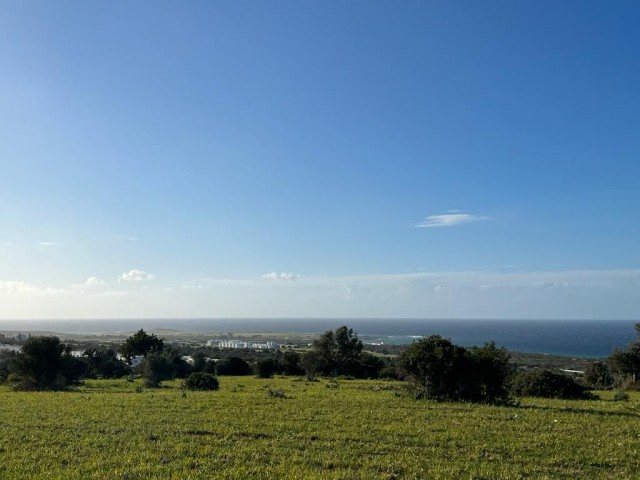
(349, 430)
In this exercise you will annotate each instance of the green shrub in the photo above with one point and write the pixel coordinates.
(597, 375)
(548, 384)
(439, 370)
(266, 367)
(621, 397)
(46, 364)
(276, 393)
(233, 366)
(201, 381)
(158, 367)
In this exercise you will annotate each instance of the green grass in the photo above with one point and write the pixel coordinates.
(359, 429)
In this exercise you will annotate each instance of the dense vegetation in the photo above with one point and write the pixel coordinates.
(548, 384)
(45, 364)
(440, 370)
(436, 368)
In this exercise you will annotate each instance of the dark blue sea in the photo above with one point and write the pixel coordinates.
(577, 338)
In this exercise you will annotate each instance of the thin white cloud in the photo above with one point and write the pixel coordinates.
(136, 276)
(449, 219)
(91, 283)
(207, 283)
(49, 244)
(94, 282)
(27, 289)
(282, 276)
(602, 294)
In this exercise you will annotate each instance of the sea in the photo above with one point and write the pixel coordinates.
(575, 338)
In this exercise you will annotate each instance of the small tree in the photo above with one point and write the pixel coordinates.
(368, 366)
(158, 367)
(348, 351)
(325, 352)
(597, 375)
(266, 367)
(490, 370)
(313, 362)
(141, 343)
(104, 363)
(233, 366)
(202, 363)
(45, 364)
(290, 363)
(439, 370)
(8, 360)
(625, 364)
(341, 351)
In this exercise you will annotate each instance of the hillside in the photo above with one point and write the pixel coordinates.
(287, 428)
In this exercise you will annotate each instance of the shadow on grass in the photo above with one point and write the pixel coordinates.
(599, 413)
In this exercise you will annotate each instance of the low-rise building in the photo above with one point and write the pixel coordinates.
(243, 344)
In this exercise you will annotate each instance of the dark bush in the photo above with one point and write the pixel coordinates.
(266, 367)
(621, 397)
(158, 367)
(201, 381)
(233, 366)
(45, 364)
(369, 366)
(391, 371)
(313, 362)
(625, 364)
(183, 368)
(548, 384)
(104, 363)
(439, 370)
(597, 375)
(290, 363)
(8, 362)
(141, 343)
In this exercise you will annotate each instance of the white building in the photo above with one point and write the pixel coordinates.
(243, 344)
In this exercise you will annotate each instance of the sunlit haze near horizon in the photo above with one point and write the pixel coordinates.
(319, 159)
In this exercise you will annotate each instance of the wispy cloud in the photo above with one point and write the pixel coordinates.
(126, 238)
(27, 289)
(602, 294)
(136, 276)
(49, 244)
(91, 283)
(449, 219)
(282, 276)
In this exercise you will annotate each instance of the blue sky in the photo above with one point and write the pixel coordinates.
(414, 159)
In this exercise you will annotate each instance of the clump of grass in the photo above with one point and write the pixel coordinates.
(621, 396)
(276, 393)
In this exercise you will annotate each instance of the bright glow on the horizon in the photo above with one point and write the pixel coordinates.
(597, 294)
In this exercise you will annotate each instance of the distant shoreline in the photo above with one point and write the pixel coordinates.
(577, 338)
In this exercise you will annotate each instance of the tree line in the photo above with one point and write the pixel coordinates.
(434, 367)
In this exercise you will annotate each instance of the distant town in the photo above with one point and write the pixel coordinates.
(243, 344)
